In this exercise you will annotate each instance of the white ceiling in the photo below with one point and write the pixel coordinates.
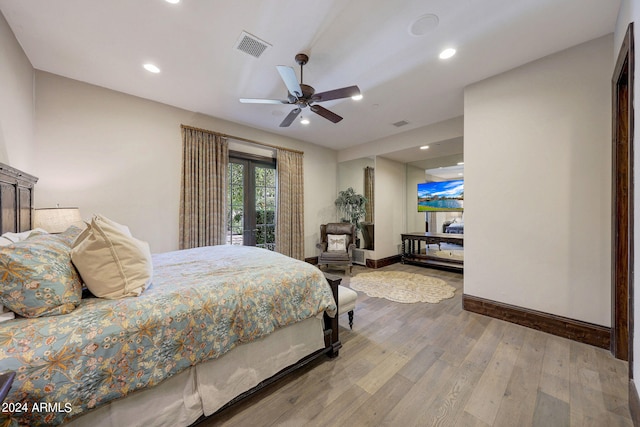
(363, 42)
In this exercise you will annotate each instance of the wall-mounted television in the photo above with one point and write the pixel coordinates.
(441, 196)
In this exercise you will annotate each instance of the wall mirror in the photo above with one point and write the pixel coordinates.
(450, 169)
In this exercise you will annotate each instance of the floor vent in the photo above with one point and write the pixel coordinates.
(358, 256)
(251, 45)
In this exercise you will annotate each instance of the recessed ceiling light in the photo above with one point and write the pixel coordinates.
(151, 68)
(173, 1)
(447, 53)
(304, 121)
(460, 163)
(424, 147)
(357, 97)
(459, 174)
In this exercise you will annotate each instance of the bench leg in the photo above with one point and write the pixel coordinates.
(350, 319)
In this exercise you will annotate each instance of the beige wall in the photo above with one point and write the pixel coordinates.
(390, 218)
(119, 155)
(537, 184)
(351, 174)
(16, 101)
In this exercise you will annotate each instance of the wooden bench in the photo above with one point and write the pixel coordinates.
(346, 297)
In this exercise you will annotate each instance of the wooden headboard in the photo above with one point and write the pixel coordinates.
(16, 199)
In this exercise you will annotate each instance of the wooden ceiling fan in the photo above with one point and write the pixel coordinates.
(303, 96)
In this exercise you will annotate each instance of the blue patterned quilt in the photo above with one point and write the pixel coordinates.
(202, 303)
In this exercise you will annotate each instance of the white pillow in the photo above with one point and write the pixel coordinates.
(337, 242)
(111, 262)
(9, 238)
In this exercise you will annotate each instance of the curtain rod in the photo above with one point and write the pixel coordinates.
(237, 138)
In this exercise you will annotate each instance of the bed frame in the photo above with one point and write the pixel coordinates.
(16, 207)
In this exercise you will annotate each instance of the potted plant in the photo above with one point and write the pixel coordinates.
(352, 207)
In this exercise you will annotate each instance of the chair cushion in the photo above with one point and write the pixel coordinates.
(346, 299)
(334, 256)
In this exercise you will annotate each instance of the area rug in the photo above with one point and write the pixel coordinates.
(402, 287)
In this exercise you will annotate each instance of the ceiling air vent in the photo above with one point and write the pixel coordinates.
(251, 45)
(400, 123)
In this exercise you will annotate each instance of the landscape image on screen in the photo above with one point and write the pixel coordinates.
(440, 196)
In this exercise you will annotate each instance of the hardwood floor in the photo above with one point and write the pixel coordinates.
(436, 364)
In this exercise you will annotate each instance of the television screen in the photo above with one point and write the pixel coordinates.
(440, 196)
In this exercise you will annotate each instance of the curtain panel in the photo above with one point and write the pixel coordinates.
(290, 216)
(369, 191)
(203, 191)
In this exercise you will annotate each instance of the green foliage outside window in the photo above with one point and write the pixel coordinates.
(265, 205)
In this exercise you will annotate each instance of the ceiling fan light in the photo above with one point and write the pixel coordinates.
(357, 97)
(304, 121)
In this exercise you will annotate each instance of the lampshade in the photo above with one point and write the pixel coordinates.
(56, 220)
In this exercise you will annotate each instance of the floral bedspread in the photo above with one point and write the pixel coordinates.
(202, 303)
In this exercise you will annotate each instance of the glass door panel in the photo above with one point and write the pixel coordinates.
(235, 204)
(251, 203)
(265, 206)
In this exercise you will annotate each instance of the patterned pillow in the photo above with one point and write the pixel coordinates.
(37, 276)
(337, 242)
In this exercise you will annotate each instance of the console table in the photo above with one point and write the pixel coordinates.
(412, 252)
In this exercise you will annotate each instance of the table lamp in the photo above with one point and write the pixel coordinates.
(56, 220)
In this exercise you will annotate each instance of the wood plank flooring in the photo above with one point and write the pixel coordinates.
(438, 365)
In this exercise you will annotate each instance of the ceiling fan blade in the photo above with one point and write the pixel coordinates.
(290, 118)
(262, 101)
(329, 115)
(345, 92)
(290, 80)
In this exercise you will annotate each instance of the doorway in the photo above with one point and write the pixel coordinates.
(622, 203)
(251, 201)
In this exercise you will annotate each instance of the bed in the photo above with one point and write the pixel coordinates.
(455, 227)
(215, 325)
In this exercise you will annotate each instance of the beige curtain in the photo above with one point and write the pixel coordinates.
(290, 217)
(204, 188)
(369, 187)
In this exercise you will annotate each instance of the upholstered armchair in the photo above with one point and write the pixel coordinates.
(337, 241)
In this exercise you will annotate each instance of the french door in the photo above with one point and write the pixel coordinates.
(251, 201)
